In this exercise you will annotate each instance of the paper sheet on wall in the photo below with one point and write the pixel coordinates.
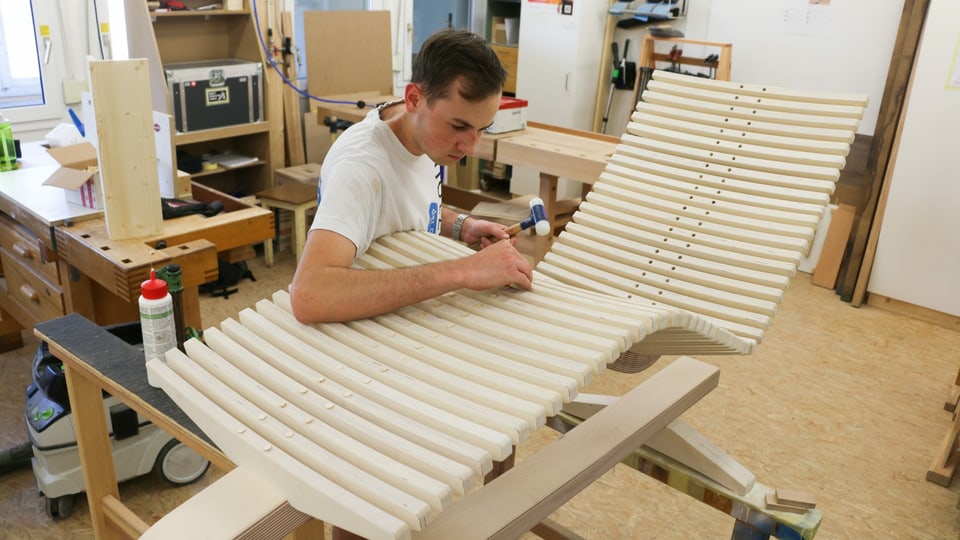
(953, 82)
(804, 17)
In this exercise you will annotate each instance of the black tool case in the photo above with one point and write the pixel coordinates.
(215, 93)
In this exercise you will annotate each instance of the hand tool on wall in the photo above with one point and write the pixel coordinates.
(621, 78)
(674, 56)
(613, 82)
(711, 62)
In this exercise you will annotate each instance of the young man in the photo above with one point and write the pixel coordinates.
(383, 175)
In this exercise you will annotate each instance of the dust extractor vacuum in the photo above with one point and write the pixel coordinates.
(139, 447)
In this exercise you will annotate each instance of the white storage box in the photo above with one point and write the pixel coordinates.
(512, 116)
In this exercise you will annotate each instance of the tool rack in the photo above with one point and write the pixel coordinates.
(649, 58)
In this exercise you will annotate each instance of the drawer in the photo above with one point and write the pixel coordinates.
(24, 246)
(31, 290)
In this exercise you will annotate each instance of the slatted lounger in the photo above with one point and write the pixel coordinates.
(385, 426)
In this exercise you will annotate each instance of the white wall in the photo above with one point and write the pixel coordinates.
(918, 254)
(845, 48)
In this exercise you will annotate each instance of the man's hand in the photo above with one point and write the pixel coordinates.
(497, 265)
(485, 232)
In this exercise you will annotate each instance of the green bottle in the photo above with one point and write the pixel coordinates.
(8, 149)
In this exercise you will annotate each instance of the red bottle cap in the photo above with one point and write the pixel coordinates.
(153, 288)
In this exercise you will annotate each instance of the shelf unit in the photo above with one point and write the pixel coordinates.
(196, 35)
(506, 52)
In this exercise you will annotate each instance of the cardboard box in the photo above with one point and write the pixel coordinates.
(511, 116)
(78, 174)
(308, 173)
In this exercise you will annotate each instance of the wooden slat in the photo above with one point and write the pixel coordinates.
(755, 101)
(749, 114)
(304, 488)
(764, 91)
(679, 122)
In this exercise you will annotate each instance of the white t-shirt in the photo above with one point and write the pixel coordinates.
(371, 185)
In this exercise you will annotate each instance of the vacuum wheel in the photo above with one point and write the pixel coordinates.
(178, 464)
(59, 507)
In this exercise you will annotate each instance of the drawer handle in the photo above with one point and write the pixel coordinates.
(22, 251)
(31, 294)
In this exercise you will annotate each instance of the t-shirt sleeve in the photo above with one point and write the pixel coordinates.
(350, 203)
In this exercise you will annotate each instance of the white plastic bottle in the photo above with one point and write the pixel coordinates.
(156, 320)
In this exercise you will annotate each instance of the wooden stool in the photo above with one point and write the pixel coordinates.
(298, 198)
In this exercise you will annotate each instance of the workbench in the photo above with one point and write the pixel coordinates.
(57, 257)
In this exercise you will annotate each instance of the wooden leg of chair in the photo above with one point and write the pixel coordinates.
(551, 530)
(500, 467)
(548, 193)
(311, 530)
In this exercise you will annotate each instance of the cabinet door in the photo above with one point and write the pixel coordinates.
(558, 60)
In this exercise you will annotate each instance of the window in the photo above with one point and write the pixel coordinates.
(32, 65)
(19, 56)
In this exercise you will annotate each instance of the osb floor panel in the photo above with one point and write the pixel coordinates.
(841, 402)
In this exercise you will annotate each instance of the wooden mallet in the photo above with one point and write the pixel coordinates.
(537, 220)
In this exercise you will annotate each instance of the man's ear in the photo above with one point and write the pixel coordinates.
(412, 97)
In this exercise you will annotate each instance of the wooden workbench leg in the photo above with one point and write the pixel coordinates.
(268, 252)
(954, 396)
(93, 444)
(190, 298)
(548, 192)
(10, 336)
(945, 462)
(77, 291)
(299, 231)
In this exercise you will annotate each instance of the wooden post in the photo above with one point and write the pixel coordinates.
(126, 148)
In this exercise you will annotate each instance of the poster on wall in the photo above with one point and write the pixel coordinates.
(804, 17)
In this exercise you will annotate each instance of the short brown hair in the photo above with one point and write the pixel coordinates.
(448, 55)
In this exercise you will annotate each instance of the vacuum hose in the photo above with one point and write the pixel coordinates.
(16, 457)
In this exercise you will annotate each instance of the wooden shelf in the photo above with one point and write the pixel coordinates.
(204, 135)
(221, 169)
(196, 13)
(175, 37)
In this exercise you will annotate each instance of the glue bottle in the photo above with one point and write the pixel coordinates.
(8, 147)
(156, 320)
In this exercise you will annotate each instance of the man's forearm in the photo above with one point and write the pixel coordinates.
(346, 294)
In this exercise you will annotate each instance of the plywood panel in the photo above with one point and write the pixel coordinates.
(127, 151)
(348, 51)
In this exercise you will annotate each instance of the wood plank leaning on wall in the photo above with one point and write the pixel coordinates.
(855, 272)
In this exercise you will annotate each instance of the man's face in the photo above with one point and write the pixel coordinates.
(450, 127)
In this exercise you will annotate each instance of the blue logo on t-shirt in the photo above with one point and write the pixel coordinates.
(433, 225)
